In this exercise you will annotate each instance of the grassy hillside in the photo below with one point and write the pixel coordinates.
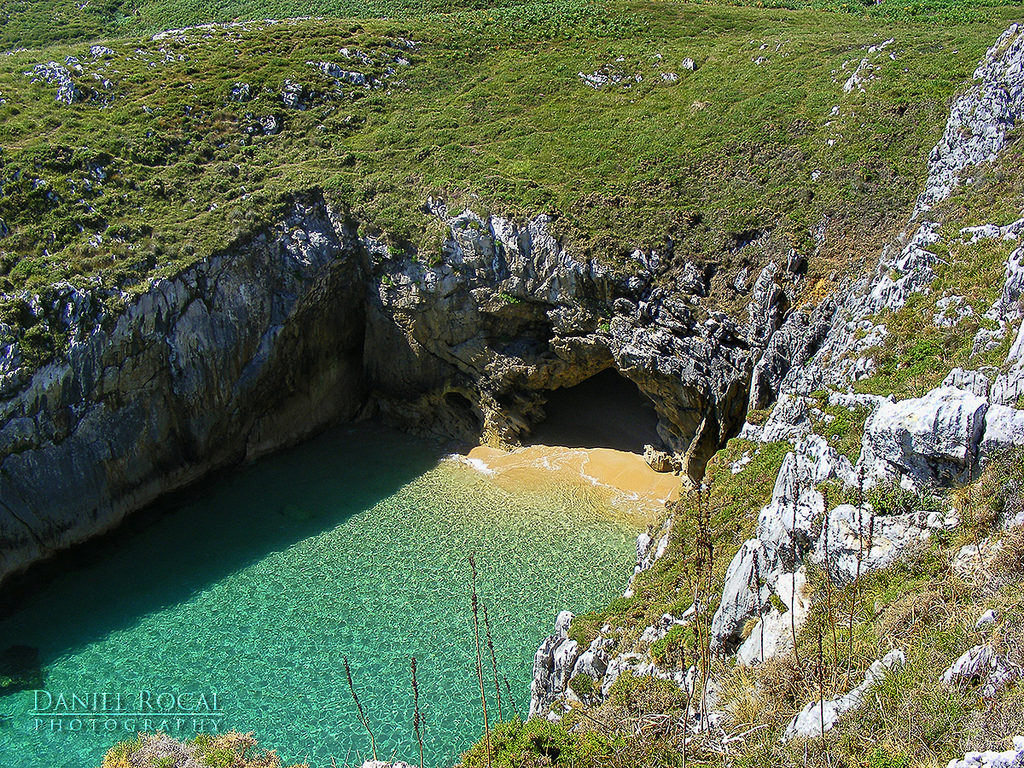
(156, 164)
(32, 23)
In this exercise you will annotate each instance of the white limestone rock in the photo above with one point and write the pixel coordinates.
(925, 440)
(979, 120)
(552, 666)
(745, 593)
(981, 664)
(975, 382)
(1004, 428)
(876, 541)
(808, 724)
(1011, 758)
(772, 636)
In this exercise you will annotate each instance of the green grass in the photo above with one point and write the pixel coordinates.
(491, 114)
(38, 22)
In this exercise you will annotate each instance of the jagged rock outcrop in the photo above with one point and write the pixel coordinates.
(855, 541)
(772, 636)
(980, 119)
(930, 440)
(788, 530)
(235, 356)
(306, 323)
(552, 666)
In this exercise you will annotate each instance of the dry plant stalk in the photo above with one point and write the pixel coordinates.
(829, 605)
(479, 662)
(416, 720)
(860, 558)
(792, 595)
(511, 698)
(494, 661)
(703, 585)
(359, 708)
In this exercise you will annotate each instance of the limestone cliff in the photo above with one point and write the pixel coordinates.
(307, 322)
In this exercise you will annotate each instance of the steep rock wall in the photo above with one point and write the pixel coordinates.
(307, 323)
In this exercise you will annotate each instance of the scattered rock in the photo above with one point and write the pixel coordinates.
(240, 92)
(293, 95)
(661, 461)
(981, 664)
(979, 119)
(808, 724)
(1011, 758)
(59, 75)
(986, 619)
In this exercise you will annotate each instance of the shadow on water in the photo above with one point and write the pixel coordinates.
(211, 531)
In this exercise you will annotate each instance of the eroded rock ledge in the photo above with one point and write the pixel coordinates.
(307, 323)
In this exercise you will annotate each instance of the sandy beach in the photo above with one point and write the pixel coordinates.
(635, 490)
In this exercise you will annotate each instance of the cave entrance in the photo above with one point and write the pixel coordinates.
(605, 411)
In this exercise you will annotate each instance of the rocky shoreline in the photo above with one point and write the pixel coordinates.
(934, 441)
(308, 322)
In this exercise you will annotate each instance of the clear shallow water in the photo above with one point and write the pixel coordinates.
(354, 544)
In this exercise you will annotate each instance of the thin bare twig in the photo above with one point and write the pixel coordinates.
(359, 708)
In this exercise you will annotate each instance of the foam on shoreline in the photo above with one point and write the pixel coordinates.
(635, 490)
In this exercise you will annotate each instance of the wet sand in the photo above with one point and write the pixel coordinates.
(635, 490)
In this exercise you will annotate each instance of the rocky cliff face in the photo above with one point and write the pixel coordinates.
(237, 355)
(930, 442)
(306, 323)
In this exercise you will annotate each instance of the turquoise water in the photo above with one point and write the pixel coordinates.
(257, 586)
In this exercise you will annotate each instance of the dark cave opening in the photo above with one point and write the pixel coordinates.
(605, 411)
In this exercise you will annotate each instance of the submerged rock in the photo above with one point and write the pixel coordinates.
(20, 669)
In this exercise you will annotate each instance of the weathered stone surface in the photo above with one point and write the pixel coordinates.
(982, 665)
(745, 593)
(553, 666)
(791, 521)
(789, 420)
(1011, 758)
(975, 382)
(980, 119)
(1004, 428)
(233, 357)
(661, 461)
(594, 661)
(772, 636)
(926, 440)
(648, 551)
(1008, 388)
(851, 535)
(808, 724)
